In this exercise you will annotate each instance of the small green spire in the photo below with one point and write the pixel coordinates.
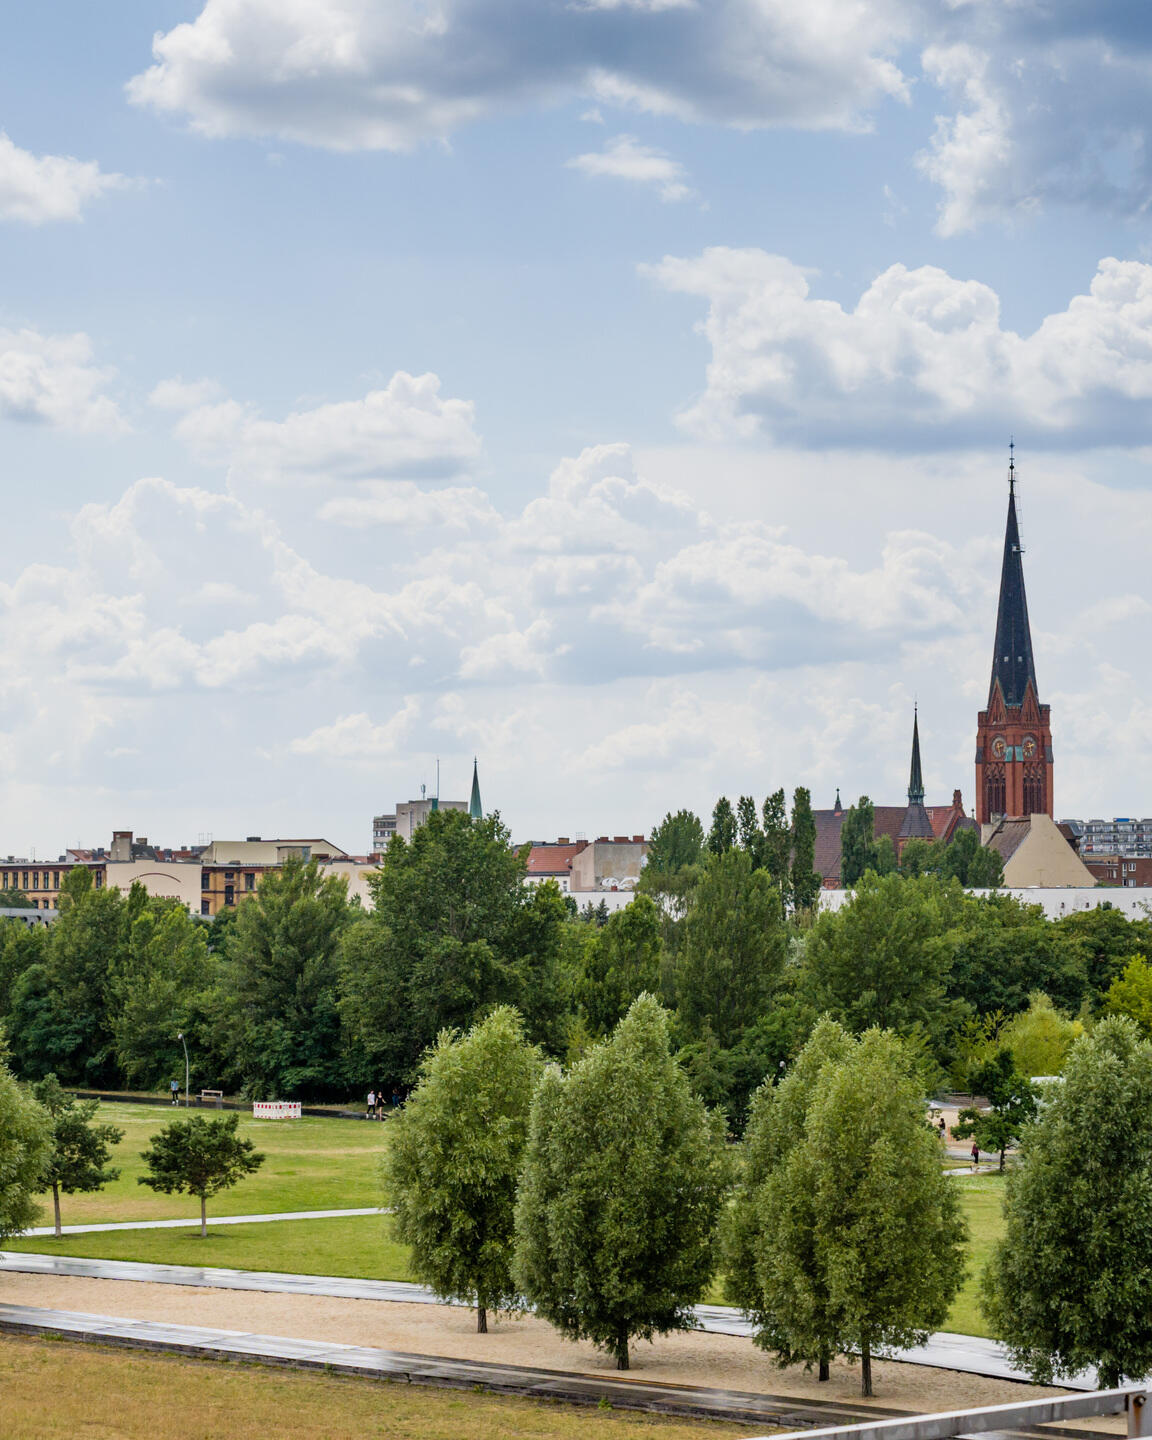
(475, 809)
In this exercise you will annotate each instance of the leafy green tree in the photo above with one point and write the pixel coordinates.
(621, 961)
(776, 846)
(722, 836)
(919, 857)
(1012, 1104)
(454, 931)
(857, 842)
(876, 1247)
(454, 1157)
(767, 1222)
(880, 960)
(1067, 1286)
(675, 844)
(1131, 993)
(21, 947)
(804, 887)
(276, 1007)
(25, 1144)
(1040, 1038)
(1004, 949)
(884, 856)
(199, 1156)
(81, 1149)
(14, 900)
(732, 949)
(1103, 940)
(748, 829)
(975, 866)
(624, 1177)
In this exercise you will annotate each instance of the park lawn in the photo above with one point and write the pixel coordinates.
(58, 1390)
(980, 1198)
(310, 1164)
(359, 1246)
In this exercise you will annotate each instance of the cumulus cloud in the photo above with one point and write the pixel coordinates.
(406, 430)
(921, 353)
(37, 189)
(400, 502)
(361, 74)
(625, 158)
(182, 395)
(355, 737)
(51, 379)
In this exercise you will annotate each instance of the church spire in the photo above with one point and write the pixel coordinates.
(916, 825)
(915, 776)
(1012, 663)
(475, 809)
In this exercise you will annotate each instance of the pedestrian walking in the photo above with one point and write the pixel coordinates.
(975, 1156)
(174, 1087)
(371, 1105)
(943, 1129)
(380, 1103)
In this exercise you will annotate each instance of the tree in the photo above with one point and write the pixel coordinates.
(1131, 993)
(1040, 1038)
(857, 842)
(805, 883)
(15, 900)
(675, 844)
(748, 828)
(454, 1156)
(1067, 1286)
(765, 1221)
(199, 1156)
(881, 960)
(277, 1016)
(1103, 940)
(624, 1176)
(1012, 1100)
(81, 1150)
(776, 844)
(1004, 949)
(876, 1245)
(732, 950)
(621, 961)
(722, 836)
(974, 865)
(25, 1144)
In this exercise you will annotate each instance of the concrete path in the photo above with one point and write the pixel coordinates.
(195, 1224)
(329, 1357)
(970, 1354)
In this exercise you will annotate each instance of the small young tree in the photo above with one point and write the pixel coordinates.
(25, 1143)
(199, 1156)
(624, 1176)
(876, 1250)
(1067, 1286)
(81, 1149)
(1012, 1104)
(454, 1157)
(767, 1224)
(1040, 1037)
(1131, 993)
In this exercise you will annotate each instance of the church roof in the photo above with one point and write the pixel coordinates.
(1012, 663)
(475, 809)
(887, 820)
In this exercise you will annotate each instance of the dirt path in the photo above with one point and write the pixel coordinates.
(692, 1359)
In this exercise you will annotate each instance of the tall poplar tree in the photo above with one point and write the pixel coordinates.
(722, 836)
(805, 883)
(777, 844)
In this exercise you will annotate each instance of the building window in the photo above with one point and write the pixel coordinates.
(229, 895)
(55, 879)
(994, 791)
(250, 880)
(99, 879)
(229, 874)
(205, 907)
(25, 886)
(205, 880)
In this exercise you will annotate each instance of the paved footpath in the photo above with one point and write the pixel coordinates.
(967, 1353)
(39, 1230)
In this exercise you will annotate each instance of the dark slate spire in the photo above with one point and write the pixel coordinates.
(916, 825)
(1012, 663)
(475, 809)
(915, 777)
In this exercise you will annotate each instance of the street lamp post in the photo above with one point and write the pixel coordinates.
(184, 1042)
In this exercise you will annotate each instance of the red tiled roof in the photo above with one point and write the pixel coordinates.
(829, 823)
(553, 859)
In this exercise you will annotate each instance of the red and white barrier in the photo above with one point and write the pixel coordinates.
(276, 1110)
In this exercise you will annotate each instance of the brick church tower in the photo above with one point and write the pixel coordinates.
(1014, 734)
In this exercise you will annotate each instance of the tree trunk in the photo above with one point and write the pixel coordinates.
(481, 1320)
(56, 1205)
(1002, 1161)
(866, 1370)
(825, 1366)
(622, 1352)
(203, 1218)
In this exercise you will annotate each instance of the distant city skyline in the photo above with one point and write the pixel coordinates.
(628, 406)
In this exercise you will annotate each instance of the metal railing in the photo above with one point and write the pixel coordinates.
(994, 1417)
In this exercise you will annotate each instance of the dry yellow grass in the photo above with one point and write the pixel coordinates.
(51, 1389)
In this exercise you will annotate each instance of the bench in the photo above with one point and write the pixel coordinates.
(215, 1096)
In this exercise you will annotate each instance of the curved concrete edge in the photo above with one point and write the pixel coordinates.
(41, 1231)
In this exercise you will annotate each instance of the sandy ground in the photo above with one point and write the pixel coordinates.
(720, 1361)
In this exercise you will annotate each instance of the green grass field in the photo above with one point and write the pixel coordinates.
(315, 1164)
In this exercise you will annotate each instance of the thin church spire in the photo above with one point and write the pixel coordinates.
(1012, 662)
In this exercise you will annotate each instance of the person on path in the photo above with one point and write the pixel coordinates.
(380, 1103)
(371, 1105)
(174, 1087)
(943, 1129)
(975, 1156)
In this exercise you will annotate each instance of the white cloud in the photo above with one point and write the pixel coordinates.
(406, 430)
(37, 189)
(921, 351)
(181, 395)
(356, 74)
(625, 158)
(355, 737)
(399, 502)
(51, 378)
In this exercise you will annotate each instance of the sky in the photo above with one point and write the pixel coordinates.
(616, 391)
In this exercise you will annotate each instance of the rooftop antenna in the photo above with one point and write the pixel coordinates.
(1012, 486)
(437, 777)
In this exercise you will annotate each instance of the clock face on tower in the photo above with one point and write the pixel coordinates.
(1029, 747)
(999, 747)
